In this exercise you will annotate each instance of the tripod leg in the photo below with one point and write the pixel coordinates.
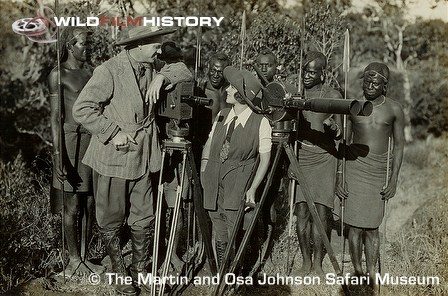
(83, 250)
(173, 225)
(222, 268)
(189, 229)
(201, 215)
(313, 211)
(238, 221)
(292, 195)
(63, 231)
(155, 252)
(342, 233)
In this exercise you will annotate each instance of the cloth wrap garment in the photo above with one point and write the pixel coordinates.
(79, 175)
(319, 168)
(366, 176)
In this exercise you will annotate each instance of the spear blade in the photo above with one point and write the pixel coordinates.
(197, 63)
(346, 61)
(243, 38)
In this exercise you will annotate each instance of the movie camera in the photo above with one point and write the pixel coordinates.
(280, 105)
(177, 105)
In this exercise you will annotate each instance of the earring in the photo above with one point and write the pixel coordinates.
(140, 46)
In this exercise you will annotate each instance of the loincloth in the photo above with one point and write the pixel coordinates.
(366, 176)
(79, 175)
(319, 168)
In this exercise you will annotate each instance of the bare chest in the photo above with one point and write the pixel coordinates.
(74, 80)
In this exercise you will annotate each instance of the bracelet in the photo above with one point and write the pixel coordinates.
(56, 153)
(204, 158)
(339, 172)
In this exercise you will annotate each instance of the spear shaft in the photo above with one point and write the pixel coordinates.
(61, 135)
(345, 69)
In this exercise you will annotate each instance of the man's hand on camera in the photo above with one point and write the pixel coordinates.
(153, 93)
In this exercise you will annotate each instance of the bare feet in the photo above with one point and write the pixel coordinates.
(177, 263)
(99, 269)
(76, 267)
(318, 271)
(305, 269)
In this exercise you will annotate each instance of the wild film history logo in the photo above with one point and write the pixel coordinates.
(40, 28)
(43, 27)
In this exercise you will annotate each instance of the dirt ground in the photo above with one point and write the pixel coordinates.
(419, 185)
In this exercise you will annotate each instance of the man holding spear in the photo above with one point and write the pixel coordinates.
(366, 187)
(317, 158)
(70, 141)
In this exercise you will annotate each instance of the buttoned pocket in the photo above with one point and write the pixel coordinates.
(110, 156)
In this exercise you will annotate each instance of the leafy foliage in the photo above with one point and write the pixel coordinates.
(430, 99)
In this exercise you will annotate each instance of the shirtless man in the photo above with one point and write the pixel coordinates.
(365, 189)
(214, 88)
(76, 176)
(317, 159)
(216, 84)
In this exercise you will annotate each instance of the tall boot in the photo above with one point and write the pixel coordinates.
(140, 256)
(220, 250)
(111, 240)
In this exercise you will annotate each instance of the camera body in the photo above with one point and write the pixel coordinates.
(178, 102)
(171, 105)
(177, 105)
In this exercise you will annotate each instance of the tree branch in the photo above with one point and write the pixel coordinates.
(34, 133)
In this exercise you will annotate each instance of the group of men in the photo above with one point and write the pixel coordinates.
(110, 148)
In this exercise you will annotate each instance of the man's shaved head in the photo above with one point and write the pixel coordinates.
(318, 57)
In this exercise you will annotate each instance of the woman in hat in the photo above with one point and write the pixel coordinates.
(238, 137)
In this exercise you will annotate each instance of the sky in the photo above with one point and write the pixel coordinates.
(422, 8)
(417, 8)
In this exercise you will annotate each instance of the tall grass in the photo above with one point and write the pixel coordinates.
(420, 248)
(29, 233)
(417, 248)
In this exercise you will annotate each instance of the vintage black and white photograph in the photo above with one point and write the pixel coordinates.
(241, 147)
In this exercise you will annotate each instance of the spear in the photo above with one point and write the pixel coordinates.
(197, 64)
(61, 135)
(383, 243)
(345, 69)
(243, 37)
(293, 181)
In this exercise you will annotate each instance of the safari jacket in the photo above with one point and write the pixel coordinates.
(111, 99)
